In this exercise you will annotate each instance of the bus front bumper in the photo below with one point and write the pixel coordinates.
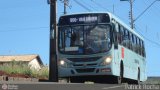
(91, 71)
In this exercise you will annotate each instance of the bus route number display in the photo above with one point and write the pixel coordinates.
(83, 19)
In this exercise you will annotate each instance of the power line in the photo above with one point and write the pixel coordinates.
(154, 9)
(145, 10)
(89, 5)
(153, 42)
(146, 29)
(82, 5)
(25, 29)
(99, 5)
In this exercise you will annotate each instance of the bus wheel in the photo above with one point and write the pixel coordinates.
(138, 77)
(120, 77)
(76, 80)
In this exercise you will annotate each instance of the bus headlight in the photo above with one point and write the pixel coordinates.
(107, 60)
(63, 63)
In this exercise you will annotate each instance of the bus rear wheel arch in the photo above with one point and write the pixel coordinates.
(119, 79)
(135, 81)
(138, 77)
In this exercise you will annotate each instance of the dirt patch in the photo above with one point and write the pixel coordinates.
(19, 75)
(2, 73)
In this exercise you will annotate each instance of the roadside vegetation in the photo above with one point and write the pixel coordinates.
(21, 69)
(153, 80)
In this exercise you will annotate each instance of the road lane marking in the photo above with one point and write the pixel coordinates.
(112, 87)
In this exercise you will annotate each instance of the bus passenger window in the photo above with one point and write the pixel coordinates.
(130, 42)
(120, 34)
(140, 47)
(137, 46)
(128, 39)
(133, 39)
(123, 37)
(135, 43)
(143, 50)
(125, 40)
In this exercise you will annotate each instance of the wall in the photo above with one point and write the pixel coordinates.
(34, 64)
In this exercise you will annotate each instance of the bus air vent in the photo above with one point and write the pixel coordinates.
(85, 70)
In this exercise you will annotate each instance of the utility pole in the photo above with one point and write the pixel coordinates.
(131, 12)
(53, 69)
(145, 10)
(65, 6)
(113, 8)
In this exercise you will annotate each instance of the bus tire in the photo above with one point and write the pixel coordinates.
(138, 77)
(76, 80)
(120, 77)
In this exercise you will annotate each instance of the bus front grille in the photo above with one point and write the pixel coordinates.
(84, 65)
(90, 59)
(85, 70)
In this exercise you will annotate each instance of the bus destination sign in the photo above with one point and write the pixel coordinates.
(84, 19)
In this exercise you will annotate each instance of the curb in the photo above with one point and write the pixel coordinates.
(6, 78)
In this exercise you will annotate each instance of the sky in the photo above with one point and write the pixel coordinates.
(24, 25)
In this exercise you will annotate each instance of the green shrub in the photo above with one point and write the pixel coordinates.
(22, 68)
(43, 73)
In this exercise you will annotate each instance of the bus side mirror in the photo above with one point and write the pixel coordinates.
(116, 40)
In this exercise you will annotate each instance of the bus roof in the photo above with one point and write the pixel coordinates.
(85, 13)
(112, 16)
(125, 25)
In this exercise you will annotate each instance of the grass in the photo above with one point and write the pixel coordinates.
(22, 68)
(152, 80)
(43, 73)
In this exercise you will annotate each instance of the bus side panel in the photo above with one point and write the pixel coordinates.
(116, 62)
(132, 62)
(143, 76)
(130, 67)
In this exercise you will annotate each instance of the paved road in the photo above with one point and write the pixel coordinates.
(70, 86)
(58, 86)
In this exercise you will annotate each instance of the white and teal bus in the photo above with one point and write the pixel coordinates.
(99, 45)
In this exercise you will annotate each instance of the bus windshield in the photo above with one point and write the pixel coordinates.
(84, 39)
